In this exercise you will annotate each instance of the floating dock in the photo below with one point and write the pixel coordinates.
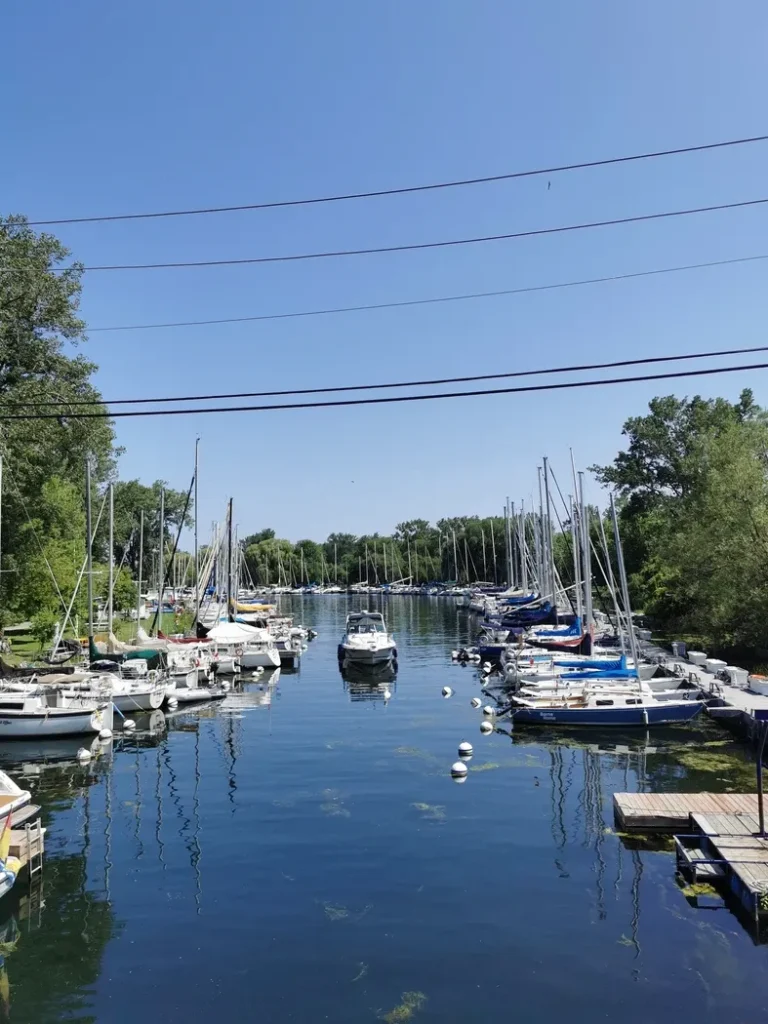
(671, 812)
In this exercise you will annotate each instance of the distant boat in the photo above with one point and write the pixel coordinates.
(366, 640)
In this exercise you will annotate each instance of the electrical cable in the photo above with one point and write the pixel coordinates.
(396, 384)
(387, 400)
(413, 246)
(441, 298)
(407, 189)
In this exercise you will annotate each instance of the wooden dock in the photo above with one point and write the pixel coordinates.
(671, 812)
(725, 850)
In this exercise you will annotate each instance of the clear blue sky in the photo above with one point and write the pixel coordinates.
(129, 107)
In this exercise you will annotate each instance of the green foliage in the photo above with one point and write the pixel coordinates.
(44, 627)
(694, 486)
(124, 591)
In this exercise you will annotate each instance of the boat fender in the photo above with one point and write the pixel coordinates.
(238, 652)
(488, 710)
(83, 754)
(475, 702)
(105, 734)
(447, 691)
(129, 725)
(486, 727)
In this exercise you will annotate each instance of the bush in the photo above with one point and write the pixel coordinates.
(44, 628)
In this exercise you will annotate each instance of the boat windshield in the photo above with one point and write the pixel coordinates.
(366, 627)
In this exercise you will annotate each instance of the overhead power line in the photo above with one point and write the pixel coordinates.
(386, 400)
(431, 301)
(396, 384)
(452, 242)
(585, 165)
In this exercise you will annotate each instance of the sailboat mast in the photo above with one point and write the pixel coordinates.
(548, 540)
(336, 563)
(161, 561)
(110, 602)
(493, 554)
(624, 586)
(230, 616)
(197, 548)
(586, 555)
(89, 554)
(523, 548)
(485, 567)
(141, 560)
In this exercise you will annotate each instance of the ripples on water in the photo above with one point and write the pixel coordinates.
(300, 853)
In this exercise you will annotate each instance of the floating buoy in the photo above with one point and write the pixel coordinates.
(172, 702)
(487, 666)
(486, 727)
(475, 702)
(105, 734)
(488, 710)
(459, 779)
(83, 754)
(447, 691)
(387, 695)
(465, 749)
(455, 655)
(129, 725)
(458, 768)
(475, 657)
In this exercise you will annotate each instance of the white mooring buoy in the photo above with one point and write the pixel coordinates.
(105, 734)
(488, 710)
(447, 691)
(387, 694)
(83, 754)
(129, 725)
(172, 702)
(465, 749)
(487, 666)
(475, 702)
(458, 769)
(455, 655)
(486, 727)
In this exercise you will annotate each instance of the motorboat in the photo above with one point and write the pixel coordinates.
(250, 646)
(366, 640)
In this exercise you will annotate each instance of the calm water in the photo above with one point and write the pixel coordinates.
(302, 854)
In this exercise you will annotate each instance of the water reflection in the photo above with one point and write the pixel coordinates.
(369, 682)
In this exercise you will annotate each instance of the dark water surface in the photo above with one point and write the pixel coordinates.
(300, 853)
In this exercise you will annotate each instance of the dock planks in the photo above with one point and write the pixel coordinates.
(671, 812)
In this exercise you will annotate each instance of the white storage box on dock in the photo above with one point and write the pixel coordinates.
(697, 657)
(643, 634)
(714, 665)
(738, 676)
(759, 684)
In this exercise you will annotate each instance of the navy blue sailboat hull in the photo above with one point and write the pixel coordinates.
(661, 713)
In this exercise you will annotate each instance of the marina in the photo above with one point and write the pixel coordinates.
(358, 761)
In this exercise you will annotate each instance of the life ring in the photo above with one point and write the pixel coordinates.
(238, 652)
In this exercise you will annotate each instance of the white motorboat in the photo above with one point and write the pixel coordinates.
(29, 715)
(252, 647)
(366, 640)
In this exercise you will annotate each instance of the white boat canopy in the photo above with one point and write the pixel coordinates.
(236, 633)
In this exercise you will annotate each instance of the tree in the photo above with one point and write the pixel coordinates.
(39, 325)
(131, 497)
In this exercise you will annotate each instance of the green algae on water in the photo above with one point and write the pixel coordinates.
(411, 1003)
(431, 812)
(699, 889)
(488, 766)
(335, 911)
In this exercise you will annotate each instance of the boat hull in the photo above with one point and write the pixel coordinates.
(360, 656)
(260, 659)
(143, 700)
(64, 722)
(665, 713)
